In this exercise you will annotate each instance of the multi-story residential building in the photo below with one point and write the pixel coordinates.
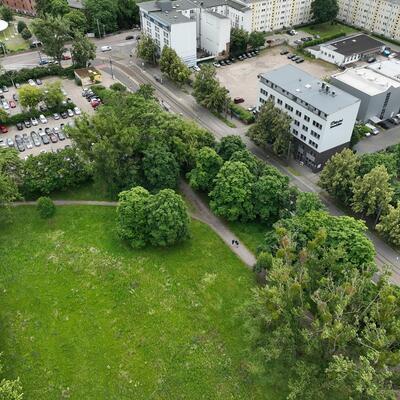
(377, 86)
(271, 15)
(189, 25)
(378, 16)
(323, 116)
(22, 6)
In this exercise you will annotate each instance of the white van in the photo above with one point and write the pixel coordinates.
(374, 129)
(105, 48)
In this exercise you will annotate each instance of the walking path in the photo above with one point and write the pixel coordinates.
(201, 213)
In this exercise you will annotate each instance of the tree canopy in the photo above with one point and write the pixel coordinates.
(83, 50)
(324, 10)
(146, 49)
(173, 66)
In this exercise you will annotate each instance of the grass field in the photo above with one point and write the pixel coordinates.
(250, 233)
(14, 40)
(327, 29)
(84, 317)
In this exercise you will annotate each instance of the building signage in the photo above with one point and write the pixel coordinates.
(334, 124)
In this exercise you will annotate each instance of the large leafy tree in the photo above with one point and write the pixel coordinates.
(83, 50)
(58, 7)
(272, 128)
(173, 66)
(307, 202)
(146, 49)
(30, 96)
(54, 33)
(369, 161)
(6, 13)
(254, 165)
(127, 14)
(76, 21)
(373, 192)
(232, 196)
(101, 15)
(389, 226)
(239, 41)
(160, 167)
(256, 39)
(52, 94)
(228, 145)
(324, 10)
(208, 164)
(337, 335)
(339, 174)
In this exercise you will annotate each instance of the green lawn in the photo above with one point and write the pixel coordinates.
(15, 43)
(87, 191)
(327, 29)
(250, 233)
(84, 317)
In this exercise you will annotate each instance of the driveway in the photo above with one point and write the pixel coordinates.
(381, 141)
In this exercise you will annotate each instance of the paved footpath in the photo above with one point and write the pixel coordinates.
(201, 213)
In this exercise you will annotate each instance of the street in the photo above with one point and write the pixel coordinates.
(384, 139)
(132, 73)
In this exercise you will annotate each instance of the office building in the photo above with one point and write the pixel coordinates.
(378, 16)
(323, 116)
(21, 6)
(377, 86)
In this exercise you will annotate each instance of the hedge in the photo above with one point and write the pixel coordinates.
(24, 74)
(242, 114)
(322, 40)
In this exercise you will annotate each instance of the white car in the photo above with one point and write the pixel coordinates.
(56, 116)
(5, 105)
(70, 112)
(32, 82)
(217, 65)
(196, 68)
(105, 48)
(77, 111)
(42, 119)
(34, 121)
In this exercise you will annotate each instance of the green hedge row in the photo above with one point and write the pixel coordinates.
(242, 114)
(322, 40)
(24, 74)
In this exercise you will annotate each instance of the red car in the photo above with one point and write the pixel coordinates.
(12, 104)
(95, 103)
(66, 57)
(238, 100)
(3, 129)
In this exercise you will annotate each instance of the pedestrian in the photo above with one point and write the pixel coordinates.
(237, 243)
(233, 242)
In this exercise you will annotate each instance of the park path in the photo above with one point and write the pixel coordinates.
(201, 212)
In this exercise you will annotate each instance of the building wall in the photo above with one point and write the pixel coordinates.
(183, 41)
(331, 56)
(23, 6)
(216, 32)
(379, 16)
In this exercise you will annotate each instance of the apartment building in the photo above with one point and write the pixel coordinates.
(271, 15)
(22, 6)
(378, 16)
(190, 25)
(323, 116)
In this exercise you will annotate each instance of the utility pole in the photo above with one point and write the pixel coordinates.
(98, 27)
(111, 66)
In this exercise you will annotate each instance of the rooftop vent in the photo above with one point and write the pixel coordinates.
(333, 93)
(308, 86)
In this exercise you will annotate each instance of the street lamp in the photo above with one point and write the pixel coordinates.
(111, 66)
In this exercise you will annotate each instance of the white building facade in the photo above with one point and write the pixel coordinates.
(378, 16)
(323, 116)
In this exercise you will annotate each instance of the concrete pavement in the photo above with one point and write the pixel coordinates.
(381, 141)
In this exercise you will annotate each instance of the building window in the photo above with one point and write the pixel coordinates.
(288, 107)
(306, 118)
(298, 113)
(297, 123)
(280, 101)
(315, 134)
(295, 132)
(305, 128)
(317, 124)
(264, 92)
(303, 137)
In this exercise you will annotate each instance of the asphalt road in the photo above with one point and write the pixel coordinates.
(384, 139)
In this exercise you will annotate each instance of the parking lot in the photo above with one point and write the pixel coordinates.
(241, 79)
(74, 93)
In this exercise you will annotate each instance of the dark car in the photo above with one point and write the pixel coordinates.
(15, 97)
(64, 115)
(45, 139)
(222, 63)
(53, 138)
(284, 52)
(129, 37)
(290, 56)
(371, 60)
(47, 130)
(27, 124)
(300, 60)
(43, 107)
(35, 138)
(3, 129)
(385, 124)
(238, 100)
(19, 143)
(19, 126)
(61, 135)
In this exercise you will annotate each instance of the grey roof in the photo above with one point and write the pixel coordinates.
(308, 89)
(170, 18)
(216, 14)
(356, 44)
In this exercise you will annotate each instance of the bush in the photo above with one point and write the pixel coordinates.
(242, 114)
(45, 207)
(118, 87)
(322, 40)
(21, 26)
(26, 34)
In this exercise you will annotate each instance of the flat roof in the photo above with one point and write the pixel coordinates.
(151, 6)
(308, 89)
(171, 17)
(366, 80)
(389, 68)
(354, 44)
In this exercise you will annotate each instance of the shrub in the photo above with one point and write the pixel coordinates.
(45, 207)
(242, 114)
(21, 26)
(26, 34)
(118, 87)
(322, 40)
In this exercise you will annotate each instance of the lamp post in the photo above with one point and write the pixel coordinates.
(111, 66)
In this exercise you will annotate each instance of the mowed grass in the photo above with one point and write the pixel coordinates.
(85, 317)
(327, 29)
(252, 234)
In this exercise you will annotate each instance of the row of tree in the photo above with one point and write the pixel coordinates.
(369, 186)
(241, 40)
(50, 94)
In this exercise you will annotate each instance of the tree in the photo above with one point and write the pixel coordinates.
(53, 32)
(101, 16)
(173, 67)
(132, 216)
(256, 39)
(45, 207)
(146, 49)
(335, 335)
(228, 145)
(232, 196)
(26, 34)
(389, 226)
(146, 90)
(324, 10)
(76, 20)
(6, 14)
(21, 25)
(160, 167)
(307, 202)
(59, 7)
(253, 164)
(168, 219)
(272, 127)
(339, 173)
(372, 193)
(83, 50)
(369, 161)
(29, 96)
(239, 40)
(3, 116)
(52, 94)
(127, 14)
(208, 164)
(118, 87)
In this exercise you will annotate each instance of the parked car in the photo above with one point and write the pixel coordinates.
(371, 60)
(196, 68)
(47, 131)
(284, 52)
(53, 138)
(38, 81)
(19, 143)
(15, 97)
(32, 82)
(232, 59)
(17, 85)
(5, 89)
(10, 142)
(27, 124)
(229, 62)
(298, 41)
(27, 141)
(222, 63)
(43, 107)
(105, 48)
(56, 116)
(34, 121)
(3, 129)
(129, 37)
(66, 57)
(43, 61)
(295, 58)
(385, 124)
(45, 138)
(290, 56)
(238, 100)
(216, 65)
(5, 105)
(77, 111)
(292, 32)
(252, 108)
(61, 135)
(35, 139)
(299, 60)
(240, 58)
(42, 119)
(70, 113)
(12, 104)
(64, 115)
(394, 120)
(19, 126)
